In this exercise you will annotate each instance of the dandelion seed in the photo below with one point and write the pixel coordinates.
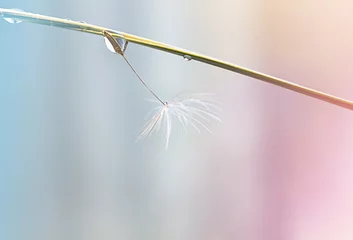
(194, 110)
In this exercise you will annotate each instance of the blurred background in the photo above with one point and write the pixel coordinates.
(278, 167)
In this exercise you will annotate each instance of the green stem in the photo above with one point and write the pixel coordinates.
(93, 29)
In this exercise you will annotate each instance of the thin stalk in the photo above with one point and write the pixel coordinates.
(143, 82)
(119, 50)
(93, 29)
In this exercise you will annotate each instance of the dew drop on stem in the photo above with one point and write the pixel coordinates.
(187, 57)
(12, 19)
(121, 42)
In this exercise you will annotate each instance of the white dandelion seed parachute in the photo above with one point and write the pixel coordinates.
(188, 109)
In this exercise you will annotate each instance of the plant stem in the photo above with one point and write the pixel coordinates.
(89, 28)
(143, 82)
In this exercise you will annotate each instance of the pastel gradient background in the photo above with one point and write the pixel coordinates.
(279, 166)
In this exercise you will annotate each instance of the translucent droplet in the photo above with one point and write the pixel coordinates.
(187, 58)
(121, 42)
(109, 45)
(12, 19)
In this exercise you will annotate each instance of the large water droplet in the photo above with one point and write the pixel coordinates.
(187, 57)
(109, 45)
(121, 42)
(12, 19)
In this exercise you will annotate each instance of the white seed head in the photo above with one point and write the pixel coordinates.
(189, 109)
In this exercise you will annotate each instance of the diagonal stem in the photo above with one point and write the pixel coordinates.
(93, 29)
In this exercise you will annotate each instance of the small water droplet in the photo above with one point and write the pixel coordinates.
(12, 19)
(83, 22)
(187, 58)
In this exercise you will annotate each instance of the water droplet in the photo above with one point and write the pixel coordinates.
(187, 58)
(109, 45)
(12, 18)
(83, 22)
(121, 42)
